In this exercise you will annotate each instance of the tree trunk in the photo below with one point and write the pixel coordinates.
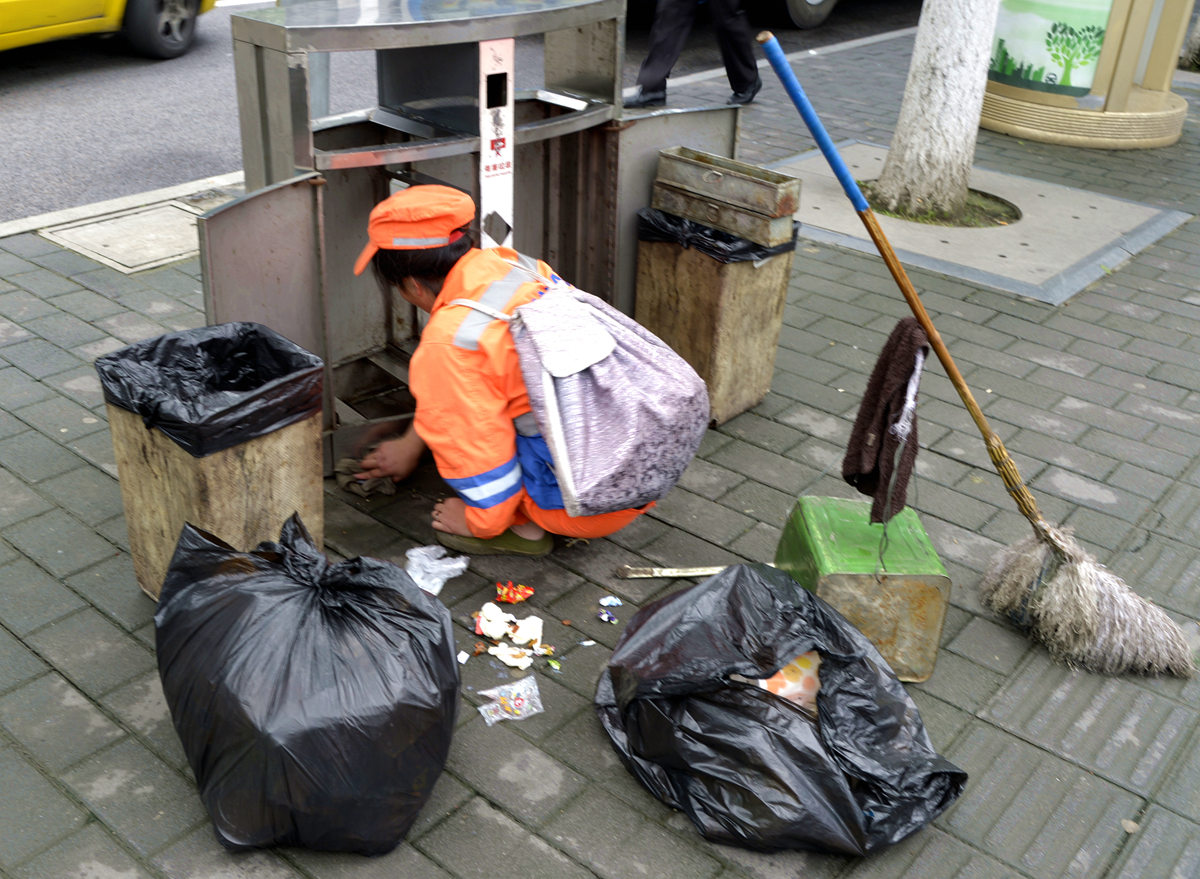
(933, 147)
(1189, 58)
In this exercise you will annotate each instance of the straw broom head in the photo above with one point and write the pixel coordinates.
(1083, 613)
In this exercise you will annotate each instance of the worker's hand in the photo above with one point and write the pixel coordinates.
(394, 458)
(450, 515)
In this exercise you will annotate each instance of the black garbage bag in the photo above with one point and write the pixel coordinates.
(214, 387)
(749, 767)
(315, 701)
(656, 225)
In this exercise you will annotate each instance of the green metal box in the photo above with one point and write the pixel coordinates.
(895, 591)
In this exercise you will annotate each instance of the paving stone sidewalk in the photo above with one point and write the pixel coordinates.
(1071, 775)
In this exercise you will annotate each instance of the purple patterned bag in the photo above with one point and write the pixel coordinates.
(621, 412)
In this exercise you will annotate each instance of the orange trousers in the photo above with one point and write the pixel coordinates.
(558, 522)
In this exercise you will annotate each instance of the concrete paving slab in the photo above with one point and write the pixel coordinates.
(1066, 238)
(1161, 844)
(90, 852)
(28, 792)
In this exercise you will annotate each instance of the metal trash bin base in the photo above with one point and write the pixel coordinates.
(830, 547)
(722, 318)
(242, 494)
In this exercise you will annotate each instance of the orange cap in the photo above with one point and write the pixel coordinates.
(416, 218)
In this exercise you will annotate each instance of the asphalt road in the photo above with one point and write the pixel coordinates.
(85, 121)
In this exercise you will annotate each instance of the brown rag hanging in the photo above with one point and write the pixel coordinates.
(870, 464)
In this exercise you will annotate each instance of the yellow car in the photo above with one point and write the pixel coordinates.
(156, 28)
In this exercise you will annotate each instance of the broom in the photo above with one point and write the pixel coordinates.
(1047, 584)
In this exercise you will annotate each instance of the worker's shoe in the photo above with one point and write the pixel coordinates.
(644, 98)
(748, 95)
(508, 543)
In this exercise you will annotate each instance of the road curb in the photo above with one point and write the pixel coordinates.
(116, 205)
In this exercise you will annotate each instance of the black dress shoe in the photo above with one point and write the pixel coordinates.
(748, 95)
(644, 98)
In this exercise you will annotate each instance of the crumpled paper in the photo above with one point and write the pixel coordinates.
(430, 567)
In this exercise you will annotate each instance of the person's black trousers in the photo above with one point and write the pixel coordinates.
(668, 35)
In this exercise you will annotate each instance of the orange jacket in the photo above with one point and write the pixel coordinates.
(467, 381)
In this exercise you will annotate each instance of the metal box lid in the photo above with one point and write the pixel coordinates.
(895, 593)
(728, 181)
(753, 226)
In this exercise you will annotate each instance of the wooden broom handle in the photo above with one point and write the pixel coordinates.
(1002, 460)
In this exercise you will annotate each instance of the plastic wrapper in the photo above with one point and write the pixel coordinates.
(521, 698)
(749, 767)
(656, 225)
(315, 701)
(214, 387)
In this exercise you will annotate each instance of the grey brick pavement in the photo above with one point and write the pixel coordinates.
(1071, 775)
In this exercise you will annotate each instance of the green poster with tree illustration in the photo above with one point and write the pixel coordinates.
(1049, 45)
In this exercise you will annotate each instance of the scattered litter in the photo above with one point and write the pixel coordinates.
(517, 657)
(554, 664)
(493, 622)
(463, 656)
(526, 631)
(607, 616)
(526, 636)
(1130, 826)
(610, 601)
(430, 568)
(588, 643)
(512, 701)
(510, 594)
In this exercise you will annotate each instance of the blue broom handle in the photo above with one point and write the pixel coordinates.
(1003, 462)
(784, 71)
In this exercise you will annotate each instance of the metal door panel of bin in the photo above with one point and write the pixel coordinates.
(262, 261)
(265, 258)
(709, 129)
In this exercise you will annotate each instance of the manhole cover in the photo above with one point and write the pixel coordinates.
(134, 240)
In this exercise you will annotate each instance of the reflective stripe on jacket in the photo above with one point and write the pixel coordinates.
(467, 381)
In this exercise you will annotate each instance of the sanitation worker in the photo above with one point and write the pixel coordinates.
(472, 408)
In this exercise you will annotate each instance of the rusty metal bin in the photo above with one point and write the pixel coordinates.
(219, 427)
(716, 293)
(894, 592)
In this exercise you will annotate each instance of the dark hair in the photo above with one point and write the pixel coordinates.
(430, 264)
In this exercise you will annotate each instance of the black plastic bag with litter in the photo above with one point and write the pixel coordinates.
(315, 701)
(214, 387)
(751, 768)
(724, 247)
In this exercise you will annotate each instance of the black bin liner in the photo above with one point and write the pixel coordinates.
(751, 768)
(214, 387)
(315, 701)
(656, 225)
